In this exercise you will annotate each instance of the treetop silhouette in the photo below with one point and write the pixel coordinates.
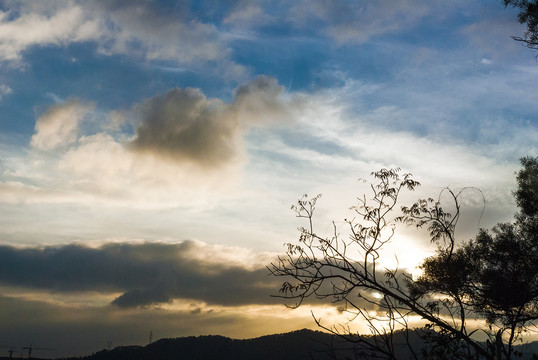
(470, 290)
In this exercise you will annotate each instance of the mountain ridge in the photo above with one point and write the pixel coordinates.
(301, 344)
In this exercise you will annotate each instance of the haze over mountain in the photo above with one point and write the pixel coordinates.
(297, 345)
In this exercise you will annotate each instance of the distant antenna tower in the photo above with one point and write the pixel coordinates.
(30, 348)
(150, 336)
(109, 344)
(10, 351)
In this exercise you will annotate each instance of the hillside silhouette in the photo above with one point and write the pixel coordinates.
(297, 345)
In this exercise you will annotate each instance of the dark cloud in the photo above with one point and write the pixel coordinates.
(148, 273)
(185, 126)
(81, 330)
(141, 297)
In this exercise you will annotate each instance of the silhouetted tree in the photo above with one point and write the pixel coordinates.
(528, 15)
(493, 277)
(527, 191)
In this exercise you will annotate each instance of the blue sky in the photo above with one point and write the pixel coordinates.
(143, 129)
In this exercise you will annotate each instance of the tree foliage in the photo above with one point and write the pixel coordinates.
(528, 15)
(492, 277)
(527, 180)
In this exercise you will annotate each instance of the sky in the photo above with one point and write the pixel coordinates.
(150, 151)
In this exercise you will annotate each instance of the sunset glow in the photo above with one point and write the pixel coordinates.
(150, 151)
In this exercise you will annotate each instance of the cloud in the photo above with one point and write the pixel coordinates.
(184, 125)
(185, 149)
(42, 28)
(59, 125)
(4, 90)
(75, 330)
(247, 15)
(492, 37)
(262, 101)
(145, 274)
(335, 137)
(136, 29)
(349, 22)
(103, 169)
(158, 35)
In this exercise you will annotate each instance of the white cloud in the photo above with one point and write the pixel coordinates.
(161, 36)
(59, 125)
(246, 15)
(245, 204)
(102, 169)
(29, 29)
(349, 22)
(333, 146)
(188, 149)
(4, 90)
(285, 144)
(134, 29)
